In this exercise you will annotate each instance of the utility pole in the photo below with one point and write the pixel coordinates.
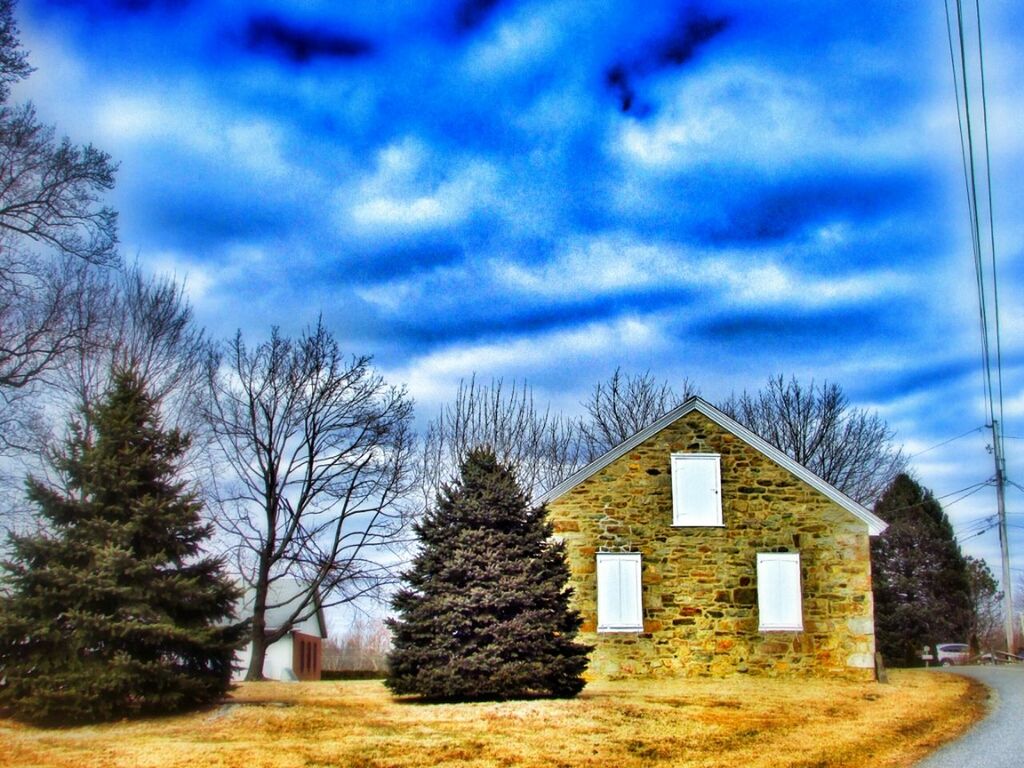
(1004, 542)
(972, 168)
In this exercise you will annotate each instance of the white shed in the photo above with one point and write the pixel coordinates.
(299, 653)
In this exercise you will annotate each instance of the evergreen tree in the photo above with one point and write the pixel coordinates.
(484, 613)
(113, 609)
(986, 606)
(920, 578)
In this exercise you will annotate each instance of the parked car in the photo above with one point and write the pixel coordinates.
(948, 654)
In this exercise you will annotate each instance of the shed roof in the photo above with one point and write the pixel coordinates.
(284, 596)
(875, 524)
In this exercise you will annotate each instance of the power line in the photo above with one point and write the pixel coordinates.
(976, 522)
(991, 216)
(977, 533)
(993, 391)
(946, 442)
(993, 397)
(968, 491)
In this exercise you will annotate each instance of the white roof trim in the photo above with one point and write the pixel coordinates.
(875, 524)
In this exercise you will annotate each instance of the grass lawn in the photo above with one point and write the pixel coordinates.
(734, 722)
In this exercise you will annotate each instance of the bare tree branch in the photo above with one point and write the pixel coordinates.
(45, 314)
(50, 191)
(625, 404)
(540, 447)
(850, 448)
(145, 324)
(14, 64)
(54, 234)
(315, 451)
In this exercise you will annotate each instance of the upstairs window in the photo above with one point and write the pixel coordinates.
(619, 602)
(696, 489)
(779, 605)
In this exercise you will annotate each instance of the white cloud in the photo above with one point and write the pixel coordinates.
(756, 118)
(145, 117)
(414, 191)
(615, 263)
(199, 280)
(387, 296)
(771, 283)
(1013, 406)
(209, 284)
(420, 212)
(606, 264)
(739, 115)
(258, 144)
(185, 119)
(60, 83)
(433, 377)
(512, 45)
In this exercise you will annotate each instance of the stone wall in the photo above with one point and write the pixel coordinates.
(699, 584)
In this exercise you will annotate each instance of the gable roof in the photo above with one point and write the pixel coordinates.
(875, 524)
(283, 596)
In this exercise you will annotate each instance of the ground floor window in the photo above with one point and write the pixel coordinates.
(619, 603)
(779, 604)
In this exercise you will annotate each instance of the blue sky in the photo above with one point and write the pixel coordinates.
(547, 190)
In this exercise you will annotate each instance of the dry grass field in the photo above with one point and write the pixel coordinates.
(742, 721)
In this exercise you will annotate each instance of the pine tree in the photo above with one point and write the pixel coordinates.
(485, 610)
(986, 606)
(113, 609)
(920, 578)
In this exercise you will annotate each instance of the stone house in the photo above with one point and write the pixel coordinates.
(696, 548)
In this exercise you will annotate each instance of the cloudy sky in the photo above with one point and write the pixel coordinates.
(545, 190)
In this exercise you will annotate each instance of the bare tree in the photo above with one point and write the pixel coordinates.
(45, 314)
(848, 447)
(316, 461)
(54, 233)
(364, 647)
(128, 321)
(541, 448)
(625, 404)
(51, 189)
(145, 324)
(14, 64)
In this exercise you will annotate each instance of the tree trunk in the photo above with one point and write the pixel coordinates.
(255, 671)
(259, 644)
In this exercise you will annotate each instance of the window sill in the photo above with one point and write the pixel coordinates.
(780, 629)
(695, 525)
(619, 630)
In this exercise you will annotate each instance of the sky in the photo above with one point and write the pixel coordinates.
(547, 190)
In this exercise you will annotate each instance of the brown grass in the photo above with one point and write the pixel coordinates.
(740, 721)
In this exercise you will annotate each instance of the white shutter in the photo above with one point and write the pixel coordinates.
(619, 601)
(696, 489)
(779, 604)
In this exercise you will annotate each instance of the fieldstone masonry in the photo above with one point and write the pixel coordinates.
(699, 584)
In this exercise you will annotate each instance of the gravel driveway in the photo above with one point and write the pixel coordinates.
(998, 740)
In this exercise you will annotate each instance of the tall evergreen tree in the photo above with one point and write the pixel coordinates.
(114, 609)
(921, 586)
(485, 610)
(986, 606)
